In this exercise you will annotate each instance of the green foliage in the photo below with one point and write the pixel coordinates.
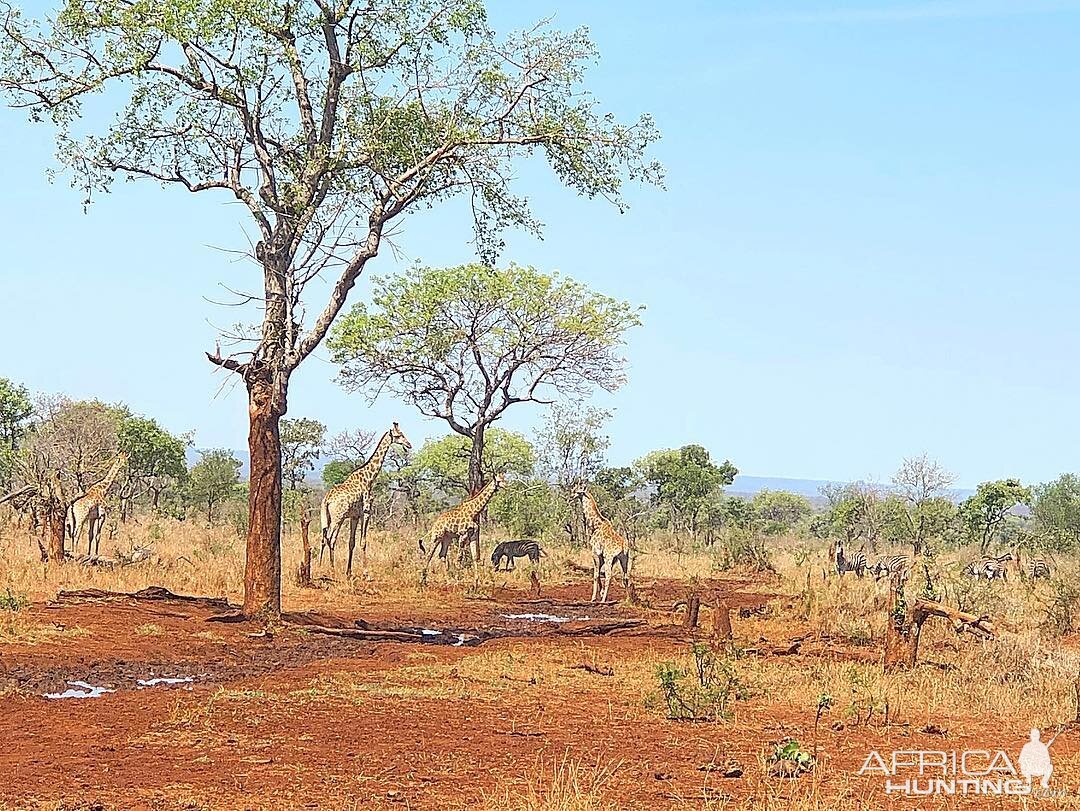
(301, 442)
(684, 479)
(790, 754)
(15, 411)
(984, 514)
(13, 602)
(571, 446)
(156, 458)
(777, 511)
(617, 482)
(529, 509)
(214, 479)
(700, 690)
(464, 343)
(443, 464)
(337, 471)
(1057, 513)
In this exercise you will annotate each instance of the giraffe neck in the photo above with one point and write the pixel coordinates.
(477, 503)
(105, 484)
(364, 475)
(592, 513)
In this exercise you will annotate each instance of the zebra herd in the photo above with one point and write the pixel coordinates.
(997, 568)
(886, 566)
(992, 568)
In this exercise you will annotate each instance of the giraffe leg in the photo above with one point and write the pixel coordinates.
(597, 567)
(98, 526)
(364, 521)
(331, 537)
(353, 521)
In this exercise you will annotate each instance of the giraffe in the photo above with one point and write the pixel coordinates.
(89, 510)
(458, 522)
(352, 500)
(608, 546)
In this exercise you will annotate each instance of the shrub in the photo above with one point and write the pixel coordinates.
(702, 690)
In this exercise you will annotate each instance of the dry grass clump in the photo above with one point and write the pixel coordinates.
(563, 784)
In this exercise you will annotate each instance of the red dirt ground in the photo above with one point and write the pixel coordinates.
(474, 744)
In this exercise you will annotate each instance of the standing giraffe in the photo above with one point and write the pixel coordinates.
(608, 546)
(458, 522)
(89, 510)
(352, 499)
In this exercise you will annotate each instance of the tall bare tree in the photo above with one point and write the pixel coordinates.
(921, 481)
(326, 122)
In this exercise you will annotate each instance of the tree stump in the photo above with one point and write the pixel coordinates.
(693, 608)
(903, 627)
(303, 576)
(722, 622)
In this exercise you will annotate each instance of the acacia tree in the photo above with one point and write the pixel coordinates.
(683, 480)
(326, 122)
(922, 482)
(301, 443)
(465, 343)
(156, 458)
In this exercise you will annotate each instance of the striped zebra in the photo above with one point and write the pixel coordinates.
(989, 567)
(509, 550)
(1038, 569)
(856, 563)
(891, 566)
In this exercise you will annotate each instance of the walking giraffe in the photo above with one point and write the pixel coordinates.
(457, 523)
(89, 510)
(352, 500)
(608, 546)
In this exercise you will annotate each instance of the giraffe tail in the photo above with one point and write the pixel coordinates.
(324, 521)
(420, 543)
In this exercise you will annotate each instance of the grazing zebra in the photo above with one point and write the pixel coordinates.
(1038, 569)
(856, 563)
(989, 567)
(516, 549)
(891, 566)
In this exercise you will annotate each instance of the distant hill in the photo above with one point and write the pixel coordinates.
(748, 486)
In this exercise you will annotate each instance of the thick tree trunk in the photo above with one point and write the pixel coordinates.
(55, 521)
(476, 456)
(475, 484)
(262, 569)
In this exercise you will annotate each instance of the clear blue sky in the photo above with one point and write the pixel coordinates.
(868, 247)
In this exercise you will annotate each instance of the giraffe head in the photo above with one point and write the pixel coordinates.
(500, 480)
(122, 457)
(398, 436)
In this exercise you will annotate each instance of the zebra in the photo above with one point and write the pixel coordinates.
(516, 549)
(856, 563)
(891, 566)
(1038, 568)
(989, 567)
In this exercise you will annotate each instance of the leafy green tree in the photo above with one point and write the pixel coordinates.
(156, 458)
(16, 408)
(214, 479)
(327, 123)
(443, 464)
(529, 508)
(465, 343)
(301, 443)
(571, 444)
(777, 511)
(1057, 513)
(984, 514)
(618, 482)
(337, 471)
(683, 479)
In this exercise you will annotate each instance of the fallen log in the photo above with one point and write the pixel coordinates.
(150, 593)
(371, 635)
(574, 628)
(904, 626)
(599, 671)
